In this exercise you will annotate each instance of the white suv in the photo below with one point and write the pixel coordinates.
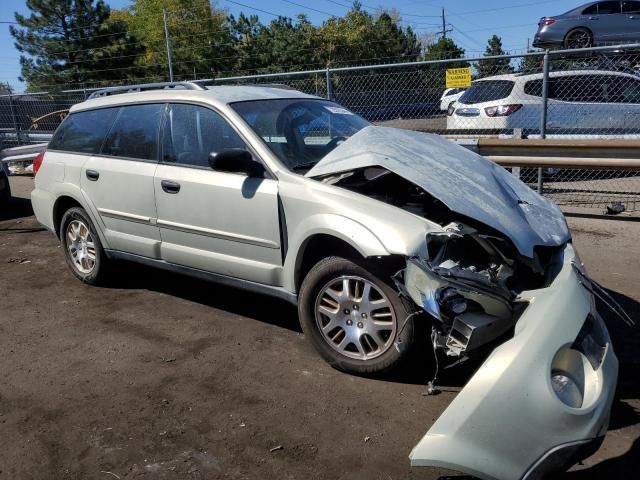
(386, 239)
(578, 99)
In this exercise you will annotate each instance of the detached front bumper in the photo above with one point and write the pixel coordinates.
(508, 423)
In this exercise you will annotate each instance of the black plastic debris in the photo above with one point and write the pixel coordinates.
(615, 208)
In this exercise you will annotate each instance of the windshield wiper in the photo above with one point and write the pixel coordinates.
(303, 166)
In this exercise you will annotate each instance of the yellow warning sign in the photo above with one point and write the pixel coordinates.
(458, 77)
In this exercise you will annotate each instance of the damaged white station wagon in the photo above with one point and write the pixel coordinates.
(375, 233)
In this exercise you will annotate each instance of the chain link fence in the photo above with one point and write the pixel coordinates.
(30, 117)
(605, 190)
(580, 94)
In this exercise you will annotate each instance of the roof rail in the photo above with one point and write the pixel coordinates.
(281, 86)
(142, 87)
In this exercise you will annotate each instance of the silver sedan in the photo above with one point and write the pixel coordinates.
(595, 23)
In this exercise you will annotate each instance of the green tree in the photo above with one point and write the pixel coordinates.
(360, 37)
(434, 75)
(200, 40)
(530, 63)
(5, 88)
(445, 48)
(497, 66)
(280, 45)
(72, 44)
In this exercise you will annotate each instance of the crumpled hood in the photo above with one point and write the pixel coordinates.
(466, 182)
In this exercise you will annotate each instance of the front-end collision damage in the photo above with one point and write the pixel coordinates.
(496, 278)
(541, 400)
(467, 287)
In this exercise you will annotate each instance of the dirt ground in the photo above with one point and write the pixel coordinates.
(162, 376)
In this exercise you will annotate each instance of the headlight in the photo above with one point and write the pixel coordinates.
(566, 389)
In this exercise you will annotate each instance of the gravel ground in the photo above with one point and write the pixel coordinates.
(161, 376)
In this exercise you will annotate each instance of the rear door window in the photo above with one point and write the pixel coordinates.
(577, 88)
(592, 10)
(608, 8)
(595, 89)
(83, 132)
(487, 91)
(135, 132)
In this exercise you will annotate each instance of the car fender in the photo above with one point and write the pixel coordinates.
(356, 235)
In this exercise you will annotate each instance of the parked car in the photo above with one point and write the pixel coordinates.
(449, 97)
(375, 233)
(577, 99)
(5, 188)
(595, 23)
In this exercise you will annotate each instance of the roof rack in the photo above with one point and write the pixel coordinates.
(105, 92)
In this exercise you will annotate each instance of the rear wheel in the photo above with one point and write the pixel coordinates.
(578, 38)
(82, 246)
(354, 319)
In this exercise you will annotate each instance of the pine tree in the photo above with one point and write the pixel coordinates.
(487, 68)
(72, 44)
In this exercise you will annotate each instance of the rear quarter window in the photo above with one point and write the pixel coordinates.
(83, 132)
(487, 91)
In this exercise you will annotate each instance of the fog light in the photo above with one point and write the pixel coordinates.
(452, 301)
(566, 389)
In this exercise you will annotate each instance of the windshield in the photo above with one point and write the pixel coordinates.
(300, 132)
(487, 91)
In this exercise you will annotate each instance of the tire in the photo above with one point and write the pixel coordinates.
(578, 38)
(374, 352)
(5, 193)
(78, 234)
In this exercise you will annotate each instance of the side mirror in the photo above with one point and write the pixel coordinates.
(235, 161)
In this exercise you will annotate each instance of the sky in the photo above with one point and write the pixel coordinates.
(472, 21)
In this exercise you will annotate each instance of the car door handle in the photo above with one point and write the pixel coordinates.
(593, 18)
(170, 187)
(92, 175)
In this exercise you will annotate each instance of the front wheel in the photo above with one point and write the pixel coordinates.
(354, 318)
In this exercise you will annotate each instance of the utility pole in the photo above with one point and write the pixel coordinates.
(168, 43)
(444, 26)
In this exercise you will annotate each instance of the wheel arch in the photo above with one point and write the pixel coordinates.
(322, 245)
(66, 200)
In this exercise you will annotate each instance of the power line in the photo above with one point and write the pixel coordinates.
(370, 7)
(255, 8)
(497, 9)
(309, 8)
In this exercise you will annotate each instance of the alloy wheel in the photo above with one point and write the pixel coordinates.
(579, 39)
(81, 247)
(355, 317)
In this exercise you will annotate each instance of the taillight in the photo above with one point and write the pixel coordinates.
(548, 21)
(37, 162)
(451, 109)
(502, 110)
